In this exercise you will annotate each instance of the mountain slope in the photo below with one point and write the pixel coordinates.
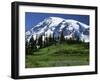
(55, 25)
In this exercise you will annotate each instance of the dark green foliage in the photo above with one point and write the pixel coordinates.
(51, 40)
(27, 47)
(62, 39)
(35, 44)
(30, 46)
(46, 41)
(32, 43)
(40, 43)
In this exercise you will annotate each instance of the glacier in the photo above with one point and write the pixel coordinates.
(55, 25)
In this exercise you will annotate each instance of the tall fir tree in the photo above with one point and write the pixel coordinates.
(46, 41)
(26, 47)
(40, 41)
(53, 39)
(32, 44)
(50, 40)
(62, 39)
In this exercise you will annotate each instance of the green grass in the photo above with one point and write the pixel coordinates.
(59, 55)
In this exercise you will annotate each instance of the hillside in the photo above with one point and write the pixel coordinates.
(59, 55)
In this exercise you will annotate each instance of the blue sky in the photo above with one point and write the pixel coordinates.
(32, 19)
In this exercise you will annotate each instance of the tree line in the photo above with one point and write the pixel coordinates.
(38, 43)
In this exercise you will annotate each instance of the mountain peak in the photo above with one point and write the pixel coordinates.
(56, 18)
(55, 25)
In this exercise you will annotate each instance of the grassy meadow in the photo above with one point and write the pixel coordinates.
(59, 55)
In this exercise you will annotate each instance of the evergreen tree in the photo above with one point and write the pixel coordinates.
(32, 44)
(50, 40)
(53, 39)
(26, 47)
(40, 41)
(46, 41)
(62, 39)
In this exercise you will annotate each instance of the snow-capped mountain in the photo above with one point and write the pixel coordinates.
(55, 25)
